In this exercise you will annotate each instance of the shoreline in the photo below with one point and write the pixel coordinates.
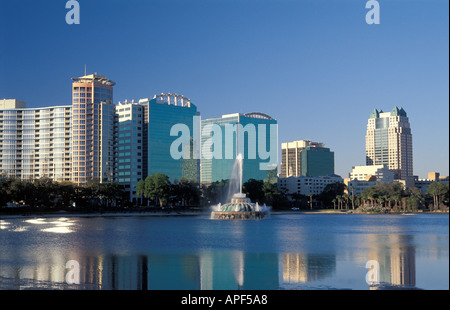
(194, 213)
(101, 214)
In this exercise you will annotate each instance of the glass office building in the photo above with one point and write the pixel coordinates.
(35, 142)
(144, 140)
(252, 134)
(306, 158)
(317, 161)
(160, 114)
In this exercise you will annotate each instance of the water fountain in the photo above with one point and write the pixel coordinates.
(240, 207)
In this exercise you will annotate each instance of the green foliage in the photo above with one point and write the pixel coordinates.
(440, 193)
(157, 187)
(45, 193)
(330, 192)
(254, 190)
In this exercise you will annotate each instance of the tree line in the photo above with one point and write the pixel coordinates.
(46, 194)
(160, 191)
(157, 191)
(382, 197)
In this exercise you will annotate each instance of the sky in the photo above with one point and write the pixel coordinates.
(314, 65)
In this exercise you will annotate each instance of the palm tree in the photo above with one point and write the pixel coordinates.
(338, 197)
(353, 198)
(345, 199)
(437, 190)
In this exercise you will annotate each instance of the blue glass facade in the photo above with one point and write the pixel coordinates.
(317, 161)
(160, 118)
(255, 140)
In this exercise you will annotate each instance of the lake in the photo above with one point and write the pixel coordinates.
(283, 252)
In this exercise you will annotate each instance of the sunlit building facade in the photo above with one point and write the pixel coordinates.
(389, 142)
(93, 129)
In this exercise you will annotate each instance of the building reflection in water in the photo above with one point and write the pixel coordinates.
(301, 268)
(218, 270)
(396, 259)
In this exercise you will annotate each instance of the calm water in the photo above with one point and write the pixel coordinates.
(285, 251)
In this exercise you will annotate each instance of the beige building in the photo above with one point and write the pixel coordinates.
(389, 142)
(12, 104)
(93, 138)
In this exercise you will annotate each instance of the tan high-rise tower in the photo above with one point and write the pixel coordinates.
(92, 129)
(389, 142)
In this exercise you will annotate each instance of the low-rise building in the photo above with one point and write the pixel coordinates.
(364, 173)
(423, 184)
(362, 177)
(307, 185)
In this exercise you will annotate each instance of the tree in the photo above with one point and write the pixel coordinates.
(186, 192)
(140, 188)
(214, 193)
(382, 192)
(157, 187)
(438, 190)
(330, 192)
(273, 196)
(254, 190)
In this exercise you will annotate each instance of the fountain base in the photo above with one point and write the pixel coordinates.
(238, 215)
(240, 208)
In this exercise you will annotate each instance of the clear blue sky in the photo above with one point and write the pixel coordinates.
(314, 65)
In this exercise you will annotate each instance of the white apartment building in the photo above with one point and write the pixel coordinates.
(307, 185)
(35, 143)
(130, 150)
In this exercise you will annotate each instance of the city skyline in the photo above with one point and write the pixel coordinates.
(316, 67)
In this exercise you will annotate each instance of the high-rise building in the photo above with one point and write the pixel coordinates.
(306, 158)
(389, 142)
(162, 113)
(93, 132)
(35, 142)
(144, 139)
(130, 159)
(222, 140)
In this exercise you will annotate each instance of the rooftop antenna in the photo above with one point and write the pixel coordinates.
(84, 69)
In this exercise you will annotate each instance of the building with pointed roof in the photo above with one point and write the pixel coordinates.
(389, 142)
